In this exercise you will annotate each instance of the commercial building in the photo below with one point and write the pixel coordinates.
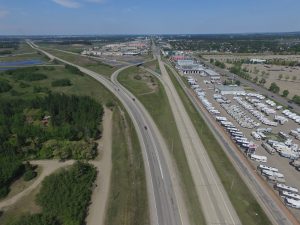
(258, 61)
(229, 90)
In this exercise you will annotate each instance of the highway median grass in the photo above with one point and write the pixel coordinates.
(246, 206)
(128, 202)
(152, 95)
(91, 64)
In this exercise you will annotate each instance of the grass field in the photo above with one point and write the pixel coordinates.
(153, 65)
(128, 204)
(246, 206)
(156, 102)
(81, 85)
(94, 65)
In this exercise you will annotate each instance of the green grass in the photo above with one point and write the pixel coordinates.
(128, 202)
(246, 206)
(91, 64)
(158, 106)
(81, 85)
(153, 65)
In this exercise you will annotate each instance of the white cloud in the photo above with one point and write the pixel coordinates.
(67, 3)
(3, 13)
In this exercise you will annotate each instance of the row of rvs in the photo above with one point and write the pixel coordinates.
(291, 115)
(237, 136)
(240, 116)
(260, 116)
(289, 194)
(201, 95)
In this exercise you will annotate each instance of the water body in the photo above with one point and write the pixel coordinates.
(12, 64)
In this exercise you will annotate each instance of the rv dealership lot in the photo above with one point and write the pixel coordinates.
(237, 112)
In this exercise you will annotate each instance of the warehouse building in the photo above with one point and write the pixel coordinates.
(229, 90)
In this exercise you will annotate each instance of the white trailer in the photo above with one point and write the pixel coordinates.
(271, 173)
(276, 179)
(258, 158)
(268, 148)
(256, 136)
(283, 187)
(292, 203)
(263, 167)
(289, 195)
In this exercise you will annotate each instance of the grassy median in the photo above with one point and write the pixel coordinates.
(128, 203)
(151, 93)
(246, 206)
(91, 64)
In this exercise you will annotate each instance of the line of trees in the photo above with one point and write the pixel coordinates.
(64, 197)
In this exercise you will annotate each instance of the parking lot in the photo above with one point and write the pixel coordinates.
(254, 120)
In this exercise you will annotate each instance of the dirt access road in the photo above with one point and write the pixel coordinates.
(97, 209)
(48, 167)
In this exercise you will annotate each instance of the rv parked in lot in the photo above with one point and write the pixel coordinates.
(271, 173)
(268, 148)
(258, 158)
(263, 167)
(289, 195)
(295, 163)
(292, 203)
(283, 187)
(276, 179)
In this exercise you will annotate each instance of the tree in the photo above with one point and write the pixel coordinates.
(287, 77)
(285, 93)
(294, 78)
(262, 81)
(274, 88)
(255, 79)
(280, 76)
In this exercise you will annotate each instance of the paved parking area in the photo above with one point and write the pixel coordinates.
(292, 176)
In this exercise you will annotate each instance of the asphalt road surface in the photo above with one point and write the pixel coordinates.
(166, 208)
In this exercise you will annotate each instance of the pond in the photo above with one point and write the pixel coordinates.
(13, 64)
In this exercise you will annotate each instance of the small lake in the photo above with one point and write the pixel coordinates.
(13, 64)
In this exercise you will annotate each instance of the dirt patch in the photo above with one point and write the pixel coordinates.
(25, 205)
(97, 209)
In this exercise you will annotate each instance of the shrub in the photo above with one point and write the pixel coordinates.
(4, 86)
(23, 85)
(61, 83)
(137, 77)
(29, 175)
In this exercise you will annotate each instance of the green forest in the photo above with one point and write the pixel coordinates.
(56, 126)
(64, 197)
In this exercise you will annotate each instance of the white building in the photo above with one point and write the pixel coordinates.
(258, 61)
(230, 90)
(210, 73)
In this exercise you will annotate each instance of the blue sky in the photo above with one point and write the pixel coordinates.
(25, 17)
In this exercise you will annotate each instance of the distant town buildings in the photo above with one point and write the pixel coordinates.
(138, 47)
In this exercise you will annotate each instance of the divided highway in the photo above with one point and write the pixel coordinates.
(216, 205)
(165, 198)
